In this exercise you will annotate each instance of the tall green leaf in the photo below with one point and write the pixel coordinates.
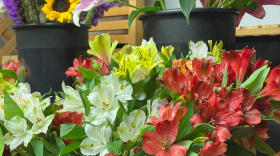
(72, 131)
(255, 82)
(1, 141)
(114, 147)
(186, 6)
(262, 147)
(37, 146)
(185, 125)
(122, 107)
(60, 144)
(138, 86)
(234, 149)
(85, 102)
(9, 73)
(21, 77)
(50, 147)
(225, 77)
(239, 132)
(69, 148)
(11, 108)
(199, 131)
(135, 13)
(89, 74)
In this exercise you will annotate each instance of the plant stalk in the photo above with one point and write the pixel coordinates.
(89, 16)
(221, 4)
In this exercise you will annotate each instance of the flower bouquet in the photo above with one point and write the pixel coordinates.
(141, 101)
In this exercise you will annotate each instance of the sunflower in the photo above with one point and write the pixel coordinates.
(59, 9)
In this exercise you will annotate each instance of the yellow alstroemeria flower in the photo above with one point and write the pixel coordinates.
(167, 51)
(130, 63)
(217, 51)
(126, 50)
(9, 86)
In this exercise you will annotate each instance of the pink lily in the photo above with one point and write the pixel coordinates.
(260, 13)
(86, 5)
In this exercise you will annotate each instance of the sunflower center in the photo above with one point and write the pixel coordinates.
(61, 5)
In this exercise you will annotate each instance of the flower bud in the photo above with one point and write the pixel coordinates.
(95, 64)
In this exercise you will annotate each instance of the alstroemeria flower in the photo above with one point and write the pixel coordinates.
(219, 70)
(160, 142)
(126, 50)
(170, 113)
(153, 108)
(129, 129)
(130, 63)
(73, 101)
(74, 71)
(239, 63)
(199, 50)
(15, 66)
(86, 5)
(18, 132)
(97, 139)
(260, 12)
(122, 89)
(167, 51)
(259, 63)
(202, 67)
(106, 104)
(145, 42)
(102, 48)
(39, 121)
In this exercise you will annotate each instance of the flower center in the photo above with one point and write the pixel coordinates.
(221, 74)
(2, 106)
(38, 120)
(212, 122)
(164, 145)
(61, 5)
(122, 86)
(105, 106)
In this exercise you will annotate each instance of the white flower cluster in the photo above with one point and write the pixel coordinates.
(199, 50)
(32, 108)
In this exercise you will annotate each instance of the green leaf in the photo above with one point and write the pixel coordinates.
(239, 132)
(169, 64)
(179, 99)
(174, 95)
(1, 141)
(164, 57)
(74, 145)
(114, 64)
(85, 102)
(63, 95)
(122, 107)
(275, 104)
(253, 6)
(185, 126)
(60, 144)
(255, 82)
(194, 149)
(262, 147)
(234, 149)
(138, 86)
(11, 108)
(72, 131)
(186, 143)
(50, 147)
(130, 106)
(127, 77)
(225, 77)
(141, 153)
(89, 74)
(42, 97)
(182, 56)
(92, 85)
(37, 146)
(186, 6)
(21, 77)
(114, 147)
(135, 13)
(9, 73)
(147, 128)
(151, 87)
(199, 131)
(268, 117)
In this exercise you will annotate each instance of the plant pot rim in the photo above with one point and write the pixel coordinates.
(196, 10)
(49, 25)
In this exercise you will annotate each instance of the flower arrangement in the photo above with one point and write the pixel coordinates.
(48, 11)
(141, 101)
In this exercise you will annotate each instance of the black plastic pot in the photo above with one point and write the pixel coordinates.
(170, 27)
(48, 50)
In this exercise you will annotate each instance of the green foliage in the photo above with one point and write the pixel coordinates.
(225, 77)
(21, 77)
(37, 146)
(1, 141)
(138, 86)
(50, 147)
(147, 128)
(185, 126)
(9, 73)
(186, 7)
(122, 108)
(89, 74)
(239, 132)
(234, 149)
(74, 145)
(255, 82)
(85, 101)
(114, 147)
(199, 131)
(275, 104)
(262, 147)
(150, 87)
(60, 144)
(72, 131)
(11, 108)
(114, 64)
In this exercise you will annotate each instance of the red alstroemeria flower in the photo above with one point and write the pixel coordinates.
(239, 63)
(260, 12)
(202, 67)
(263, 105)
(261, 132)
(216, 148)
(15, 66)
(250, 115)
(160, 142)
(170, 113)
(175, 80)
(74, 71)
(260, 63)
(216, 117)
(219, 70)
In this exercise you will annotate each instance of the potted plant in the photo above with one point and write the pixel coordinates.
(47, 39)
(196, 105)
(218, 17)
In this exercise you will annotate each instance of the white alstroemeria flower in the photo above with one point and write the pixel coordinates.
(145, 42)
(73, 101)
(97, 139)
(106, 104)
(199, 50)
(18, 132)
(2, 116)
(40, 122)
(122, 89)
(129, 129)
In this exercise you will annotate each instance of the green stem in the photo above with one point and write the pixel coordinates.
(26, 11)
(215, 4)
(221, 4)
(37, 9)
(31, 10)
(89, 16)
(162, 3)
(209, 3)
(126, 4)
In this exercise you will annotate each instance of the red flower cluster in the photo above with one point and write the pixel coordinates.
(161, 142)
(74, 71)
(14, 66)
(224, 105)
